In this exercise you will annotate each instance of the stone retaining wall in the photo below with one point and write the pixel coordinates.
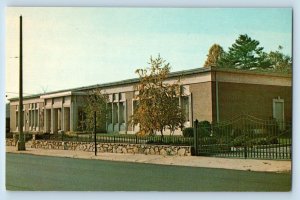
(11, 142)
(109, 147)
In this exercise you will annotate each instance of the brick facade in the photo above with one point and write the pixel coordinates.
(212, 94)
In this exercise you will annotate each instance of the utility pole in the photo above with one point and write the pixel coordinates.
(21, 141)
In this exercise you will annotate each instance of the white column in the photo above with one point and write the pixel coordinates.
(191, 109)
(125, 115)
(34, 119)
(38, 119)
(52, 119)
(112, 116)
(63, 118)
(73, 115)
(119, 124)
(58, 119)
(29, 118)
(45, 120)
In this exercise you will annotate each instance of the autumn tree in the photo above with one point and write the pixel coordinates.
(158, 106)
(95, 101)
(214, 55)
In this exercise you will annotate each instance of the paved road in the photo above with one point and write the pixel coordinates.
(31, 172)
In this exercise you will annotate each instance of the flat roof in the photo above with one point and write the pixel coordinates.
(172, 74)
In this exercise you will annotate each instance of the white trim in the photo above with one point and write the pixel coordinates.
(257, 79)
(27, 101)
(60, 94)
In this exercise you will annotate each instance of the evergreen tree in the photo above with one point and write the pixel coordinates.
(245, 53)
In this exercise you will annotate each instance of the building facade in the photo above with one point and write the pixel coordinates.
(207, 94)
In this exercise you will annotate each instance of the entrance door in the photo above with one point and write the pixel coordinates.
(278, 112)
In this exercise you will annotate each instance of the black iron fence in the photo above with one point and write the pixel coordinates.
(244, 137)
(120, 138)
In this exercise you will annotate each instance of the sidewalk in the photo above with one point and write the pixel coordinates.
(192, 161)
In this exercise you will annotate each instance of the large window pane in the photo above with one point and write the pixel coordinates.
(185, 106)
(115, 113)
(122, 109)
(109, 113)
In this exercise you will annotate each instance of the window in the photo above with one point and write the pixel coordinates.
(278, 112)
(109, 113)
(36, 118)
(186, 107)
(29, 118)
(122, 109)
(17, 119)
(81, 120)
(115, 113)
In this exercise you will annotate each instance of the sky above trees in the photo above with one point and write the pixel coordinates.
(73, 47)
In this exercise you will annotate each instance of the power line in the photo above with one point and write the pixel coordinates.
(18, 93)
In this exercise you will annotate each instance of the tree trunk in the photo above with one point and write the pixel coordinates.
(162, 135)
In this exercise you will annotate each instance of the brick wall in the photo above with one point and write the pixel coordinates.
(252, 99)
(202, 101)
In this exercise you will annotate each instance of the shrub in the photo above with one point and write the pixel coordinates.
(262, 142)
(205, 128)
(188, 132)
(44, 136)
(272, 140)
(269, 140)
(242, 140)
(209, 140)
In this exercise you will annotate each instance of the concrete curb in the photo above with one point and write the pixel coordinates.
(191, 161)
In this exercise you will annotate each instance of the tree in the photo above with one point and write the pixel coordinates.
(214, 55)
(95, 101)
(280, 62)
(245, 53)
(158, 106)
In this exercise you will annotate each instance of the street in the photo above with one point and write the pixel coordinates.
(43, 173)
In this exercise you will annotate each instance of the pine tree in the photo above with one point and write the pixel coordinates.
(245, 53)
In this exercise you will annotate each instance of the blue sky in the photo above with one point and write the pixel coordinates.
(73, 47)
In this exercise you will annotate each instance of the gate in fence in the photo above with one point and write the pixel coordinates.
(244, 137)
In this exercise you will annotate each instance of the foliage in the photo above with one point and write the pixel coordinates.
(242, 140)
(214, 55)
(279, 62)
(95, 101)
(205, 128)
(246, 54)
(209, 140)
(188, 132)
(157, 107)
